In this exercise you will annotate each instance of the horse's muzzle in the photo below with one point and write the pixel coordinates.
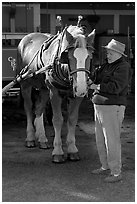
(80, 91)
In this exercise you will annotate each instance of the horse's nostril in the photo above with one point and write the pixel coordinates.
(83, 94)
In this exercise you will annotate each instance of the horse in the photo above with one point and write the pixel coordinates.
(65, 59)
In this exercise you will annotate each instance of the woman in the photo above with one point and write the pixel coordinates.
(109, 99)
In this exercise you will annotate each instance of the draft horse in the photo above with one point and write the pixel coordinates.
(65, 59)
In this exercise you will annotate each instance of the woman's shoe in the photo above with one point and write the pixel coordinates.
(101, 171)
(113, 178)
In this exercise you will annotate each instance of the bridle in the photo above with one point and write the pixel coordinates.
(79, 70)
(58, 60)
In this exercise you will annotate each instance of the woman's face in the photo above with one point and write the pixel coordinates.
(112, 56)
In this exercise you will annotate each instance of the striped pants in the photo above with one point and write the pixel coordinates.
(108, 121)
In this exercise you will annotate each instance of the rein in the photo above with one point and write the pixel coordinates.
(60, 42)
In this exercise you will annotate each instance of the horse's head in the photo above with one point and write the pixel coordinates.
(79, 51)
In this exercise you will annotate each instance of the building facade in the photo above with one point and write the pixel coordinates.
(110, 19)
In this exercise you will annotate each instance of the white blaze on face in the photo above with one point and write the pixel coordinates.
(81, 55)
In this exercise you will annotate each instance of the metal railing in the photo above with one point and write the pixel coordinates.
(13, 36)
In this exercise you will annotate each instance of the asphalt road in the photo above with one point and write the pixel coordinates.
(28, 175)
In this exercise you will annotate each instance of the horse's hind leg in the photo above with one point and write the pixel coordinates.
(26, 93)
(39, 123)
(71, 123)
(56, 100)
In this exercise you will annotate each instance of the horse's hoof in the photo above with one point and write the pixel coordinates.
(73, 156)
(58, 159)
(44, 145)
(30, 144)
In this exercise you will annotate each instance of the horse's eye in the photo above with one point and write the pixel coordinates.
(90, 49)
(70, 47)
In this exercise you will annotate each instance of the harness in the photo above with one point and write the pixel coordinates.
(58, 74)
(61, 75)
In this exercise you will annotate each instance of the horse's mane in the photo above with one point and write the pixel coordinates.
(75, 30)
(77, 33)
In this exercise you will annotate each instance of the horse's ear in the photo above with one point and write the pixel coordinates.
(70, 38)
(90, 37)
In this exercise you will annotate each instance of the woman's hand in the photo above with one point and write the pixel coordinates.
(95, 87)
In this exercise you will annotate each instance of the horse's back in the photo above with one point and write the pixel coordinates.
(33, 39)
(29, 46)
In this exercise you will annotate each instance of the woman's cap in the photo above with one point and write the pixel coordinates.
(116, 46)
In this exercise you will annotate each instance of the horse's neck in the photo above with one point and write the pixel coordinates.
(49, 55)
(64, 45)
(60, 44)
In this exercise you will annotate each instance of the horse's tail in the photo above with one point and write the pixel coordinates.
(19, 62)
(20, 50)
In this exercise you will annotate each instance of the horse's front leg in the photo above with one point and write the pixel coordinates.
(73, 110)
(26, 93)
(57, 153)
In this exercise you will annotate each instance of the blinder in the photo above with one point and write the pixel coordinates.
(64, 58)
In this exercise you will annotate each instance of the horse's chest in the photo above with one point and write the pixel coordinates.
(58, 77)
